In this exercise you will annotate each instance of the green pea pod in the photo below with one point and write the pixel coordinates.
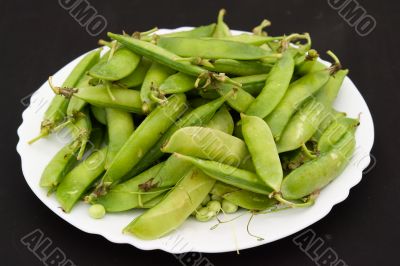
(335, 132)
(296, 94)
(122, 63)
(239, 68)
(221, 29)
(120, 128)
(57, 109)
(209, 144)
(263, 151)
(177, 83)
(144, 137)
(252, 39)
(159, 55)
(79, 179)
(155, 76)
(275, 87)
(252, 84)
(213, 49)
(128, 100)
(243, 198)
(328, 120)
(136, 78)
(198, 32)
(197, 117)
(174, 209)
(126, 195)
(66, 158)
(59, 166)
(228, 174)
(99, 113)
(222, 120)
(316, 174)
(305, 122)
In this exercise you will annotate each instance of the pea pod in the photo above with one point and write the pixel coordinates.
(174, 209)
(155, 76)
(177, 83)
(158, 54)
(198, 32)
(275, 87)
(126, 195)
(263, 151)
(79, 179)
(305, 122)
(221, 29)
(228, 174)
(209, 144)
(239, 68)
(99, 113)
(316, 174)
(120, 128)
(122, 63)
(213, 49)
(243, 198)
(128, 100)
(144, 137)
(197, 117)
(335, 132)
(57, 109)
(296, 94)
(136, 78)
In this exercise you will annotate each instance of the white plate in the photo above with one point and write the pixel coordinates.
(193, 235)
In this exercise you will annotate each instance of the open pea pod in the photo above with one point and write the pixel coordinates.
(122, 63)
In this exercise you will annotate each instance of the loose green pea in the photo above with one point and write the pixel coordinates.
(229, 207)
(204, 214)
(214, 206)
(97, 211)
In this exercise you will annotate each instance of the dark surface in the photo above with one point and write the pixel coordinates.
(39, 37)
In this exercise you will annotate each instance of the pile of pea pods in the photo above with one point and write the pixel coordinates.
(195, 124)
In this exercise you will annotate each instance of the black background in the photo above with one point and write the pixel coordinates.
(39, 37)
